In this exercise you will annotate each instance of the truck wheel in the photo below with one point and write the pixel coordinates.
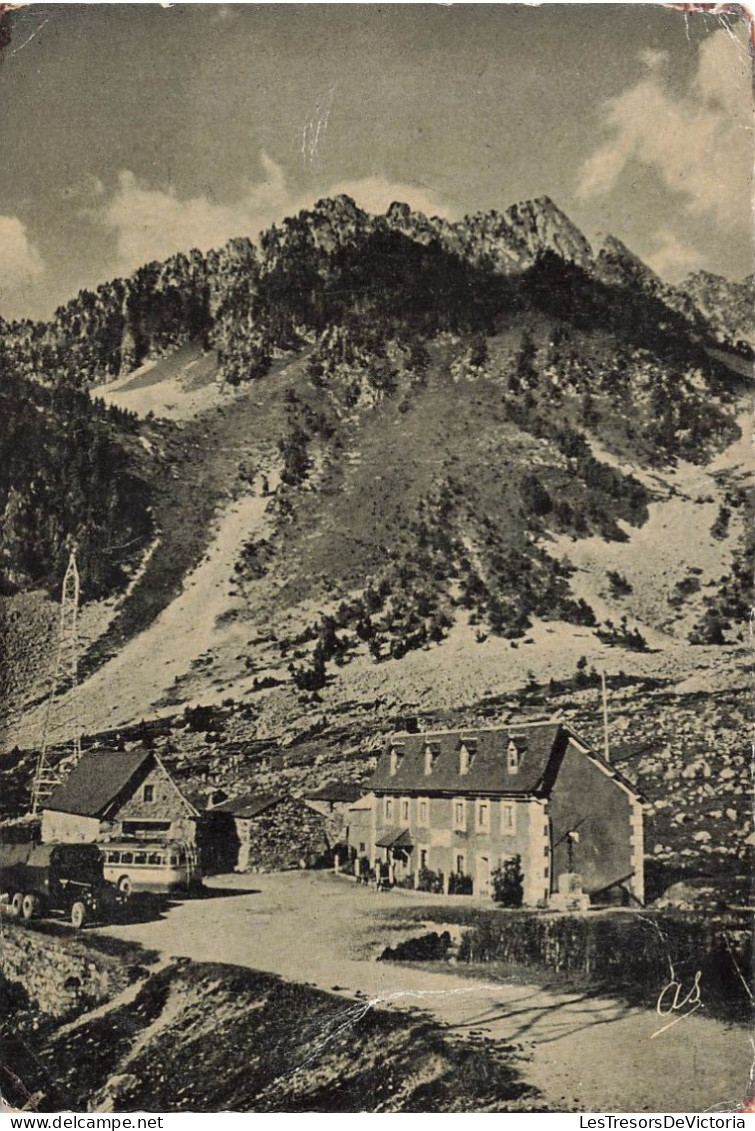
(15, 905)
(124, 886)
(78, 914)
(29, 907)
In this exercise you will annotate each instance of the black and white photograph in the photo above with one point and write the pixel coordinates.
(376, 559)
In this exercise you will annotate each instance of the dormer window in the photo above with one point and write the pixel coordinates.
(467, 753)
(397, 757)
(432, 753)
(512, 757)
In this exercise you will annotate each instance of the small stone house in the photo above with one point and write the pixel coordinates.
(109, 795)
(360, 826)
(332, 802)
(268, 832)
(460, 803)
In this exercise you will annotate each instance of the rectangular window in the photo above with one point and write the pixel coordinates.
(432, 753)
(508, 818)
(362, 846)
(149, 793)
(483, 816)
(460, 864)
(423, 811)
(467, 753)
(423, 857)
(460, 815)
(513, 757)
(389, 809)
(405, 810)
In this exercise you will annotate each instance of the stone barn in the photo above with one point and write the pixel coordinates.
(263, 832)
(332, 802)
(109, 795)
(360, 824)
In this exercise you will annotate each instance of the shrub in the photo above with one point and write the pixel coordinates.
(428, 880)
(508, 881)
(459, 884)
(620, 587)
(720, 527)
(311, 678)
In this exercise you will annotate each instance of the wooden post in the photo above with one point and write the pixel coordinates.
(606, 746)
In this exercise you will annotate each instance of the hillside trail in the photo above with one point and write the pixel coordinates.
(129, 685)
(582, 1052)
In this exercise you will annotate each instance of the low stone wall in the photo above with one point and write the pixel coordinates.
(59, 977)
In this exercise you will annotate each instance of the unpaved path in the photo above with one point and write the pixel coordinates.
(195, 622)
(583, 1053)
(198, 620)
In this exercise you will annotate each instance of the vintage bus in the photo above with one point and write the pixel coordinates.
(166, 869)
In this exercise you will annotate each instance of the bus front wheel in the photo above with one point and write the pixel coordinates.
(16, 904)
(124, 886)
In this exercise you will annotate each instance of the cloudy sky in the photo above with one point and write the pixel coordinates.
(130, 132)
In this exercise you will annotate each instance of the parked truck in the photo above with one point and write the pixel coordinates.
(37, 879)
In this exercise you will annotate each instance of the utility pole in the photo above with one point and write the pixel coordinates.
(606, 747)
(61, 716)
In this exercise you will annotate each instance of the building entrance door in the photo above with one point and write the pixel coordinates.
(482, 879)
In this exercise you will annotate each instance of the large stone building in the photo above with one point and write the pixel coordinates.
(460, 803)
(109, 795)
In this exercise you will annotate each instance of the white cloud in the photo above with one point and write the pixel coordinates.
(375, 194)
(20, 264)
(700, 143)
(151, 223)
(672, 258)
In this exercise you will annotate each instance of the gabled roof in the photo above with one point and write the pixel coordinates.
(537, 746)
(335, 791)
(97, 780)
(248, 805)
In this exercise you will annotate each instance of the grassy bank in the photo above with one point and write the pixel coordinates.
(634, 955)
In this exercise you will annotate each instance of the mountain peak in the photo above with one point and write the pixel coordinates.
(540, 225)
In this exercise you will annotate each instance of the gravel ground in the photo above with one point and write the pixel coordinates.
(583, 1053)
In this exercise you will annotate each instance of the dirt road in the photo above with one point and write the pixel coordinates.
(582, 1053)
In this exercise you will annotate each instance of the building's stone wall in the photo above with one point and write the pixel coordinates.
(605, 815)
(166, 804)
(68, 828)
(476, 851)
(287, 835)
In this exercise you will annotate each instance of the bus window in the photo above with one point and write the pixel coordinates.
(127, 858)
(113, 857)
(173, 860)
(155, 858)
(140, 858)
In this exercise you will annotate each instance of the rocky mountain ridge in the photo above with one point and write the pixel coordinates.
(237, 299)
